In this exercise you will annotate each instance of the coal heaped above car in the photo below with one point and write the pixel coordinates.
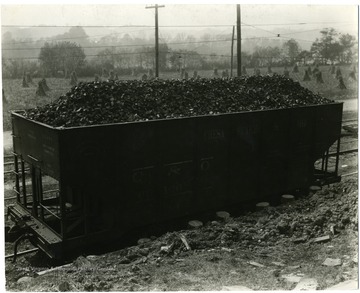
(104, 102)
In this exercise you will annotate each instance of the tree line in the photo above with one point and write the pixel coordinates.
(60, 58)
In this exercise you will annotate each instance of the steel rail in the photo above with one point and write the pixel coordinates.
(349, 174)
(349, 120)
(343, 152)
(22, 253)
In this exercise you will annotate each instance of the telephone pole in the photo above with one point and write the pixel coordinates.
(232, 52)
(156, 37)
(238, 30)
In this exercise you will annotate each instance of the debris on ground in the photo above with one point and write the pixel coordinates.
(254, 263)
(306, 284)
(330, 262)
(272, 243)
(236, 288)
(292, 278)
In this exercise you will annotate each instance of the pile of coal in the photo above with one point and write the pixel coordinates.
(103, 102)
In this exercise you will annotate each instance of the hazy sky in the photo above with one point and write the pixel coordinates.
(177, 14)
(301, 22)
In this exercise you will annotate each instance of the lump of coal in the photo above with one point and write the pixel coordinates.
(111, 101)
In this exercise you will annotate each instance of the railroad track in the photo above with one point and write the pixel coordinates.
(8, 162)
(24, 252)
(349, 121)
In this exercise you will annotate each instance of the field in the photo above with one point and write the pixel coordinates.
(18, 98)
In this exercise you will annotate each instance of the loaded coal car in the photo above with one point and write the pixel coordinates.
(109, 157)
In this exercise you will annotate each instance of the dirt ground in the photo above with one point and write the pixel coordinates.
(311, 242)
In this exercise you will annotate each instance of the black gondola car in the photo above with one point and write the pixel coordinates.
(84, 185)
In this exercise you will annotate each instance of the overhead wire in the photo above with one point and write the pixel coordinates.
(312, 30)
(78, 37)
(120, 46)
(150, 27)
(147, 52)
(255, 26)
(171, 26)
(86, 55)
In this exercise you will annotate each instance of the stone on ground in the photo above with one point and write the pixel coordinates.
(195, 224)
(262, 205)
(306, 284)
(222, 215)
(64, 287)
(235, 288)
(287, 198)
(291, 278)
(24, 280)
(331, 262)
(315, 188)
(299, 240)
(277, 263)
(143, 241)
(255, 264)
(322, 239)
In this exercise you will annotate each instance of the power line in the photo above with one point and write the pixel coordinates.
(144, 45)
(129, 53)
(300, 32)
(148, 45)
(280, 35)
(253, 26)
(89, 26)
(170, 26)
(88, 55)
(312, 30)
(70, 38)
(56, 40)
(222, 55)
(114, 26)
(168, 43)
(301, 40)
(120, 46)
(83, 47)
(298, 23)
(151, 53)
(197, 54)
(163, 40)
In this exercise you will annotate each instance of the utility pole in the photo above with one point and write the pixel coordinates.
(232, 52)
(156, 37)
(238, 29)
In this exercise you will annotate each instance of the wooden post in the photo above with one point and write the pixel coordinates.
(232, 51)
(156, 38)
(238, 26)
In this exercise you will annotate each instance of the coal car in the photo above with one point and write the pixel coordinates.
(86, 185)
